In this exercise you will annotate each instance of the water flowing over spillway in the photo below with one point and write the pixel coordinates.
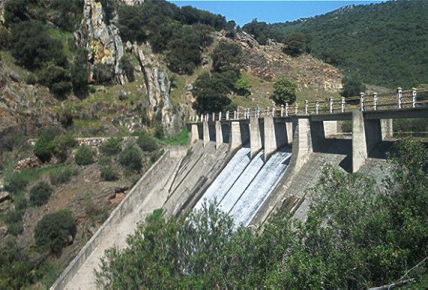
(244, 184)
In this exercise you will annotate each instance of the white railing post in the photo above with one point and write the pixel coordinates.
(202, 118)
(286, 109)
(282, 110)
(414, 96)
(317, 108)
(375, 97)
(400, 97)
(362, 101)
(331, 105)
(234, 115)
(227, 115)
(296, 108)
(213, 117)
(306, 107)
(219, 116)
(248, 113)
(273, 112)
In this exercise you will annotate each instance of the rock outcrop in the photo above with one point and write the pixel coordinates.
(101, 39)
(268, 62)
(158, 87)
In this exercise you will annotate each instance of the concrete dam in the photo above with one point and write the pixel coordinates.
(251, 166)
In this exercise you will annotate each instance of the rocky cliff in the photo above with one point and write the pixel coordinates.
(101, 39)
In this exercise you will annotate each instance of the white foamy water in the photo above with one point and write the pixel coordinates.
(242, 183)
(260, 188)
(226, 178)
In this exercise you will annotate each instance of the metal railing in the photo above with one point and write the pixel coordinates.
(403, 99)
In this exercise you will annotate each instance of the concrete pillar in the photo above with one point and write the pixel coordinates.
(194, 133)
(386, 128)
(255, 138)
(235, 135)
(359, 144)
(218, 134)
(206, 132)
(330, 128)
(302, 145)
(270, 138)
(289, 130)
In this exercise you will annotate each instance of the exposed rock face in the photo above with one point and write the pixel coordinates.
(158, 88)
(102, 40)
(24, 109)
(268, 63)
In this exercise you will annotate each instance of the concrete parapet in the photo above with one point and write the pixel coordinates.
(218, 134)
(359, 144)
(255, 138)
(270, 144)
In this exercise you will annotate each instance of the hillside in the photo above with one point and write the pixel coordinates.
(123, 69)
(381, 44)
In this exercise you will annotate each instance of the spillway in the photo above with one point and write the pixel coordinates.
(260, 188)
(225, 180)
(244, 180)
(244, 185)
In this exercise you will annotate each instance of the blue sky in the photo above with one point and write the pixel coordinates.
(269, 11)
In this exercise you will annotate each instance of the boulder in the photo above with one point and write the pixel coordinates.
(4, 195)
(15, 77)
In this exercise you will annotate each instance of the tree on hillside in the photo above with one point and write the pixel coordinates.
(226, 56)
(296, 43)
(211, 90)
(352, 87)
(284, 91)
(79, 72)
(32, 46)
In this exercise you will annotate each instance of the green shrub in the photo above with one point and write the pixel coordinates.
(346, 126)
(111, 147)
(15, 228)
(55, 231)
(43, 149)
(62, 176)
(131, 157)
(109, 174)
(31, 79)
(61, 145)
(14, 222)
(84, 155)
(147, 143)
(15, 183)
(40, 193)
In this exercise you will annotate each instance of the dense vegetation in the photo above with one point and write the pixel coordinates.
(211, 89)
(358, 234)
(382, 44)
(179, 33)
